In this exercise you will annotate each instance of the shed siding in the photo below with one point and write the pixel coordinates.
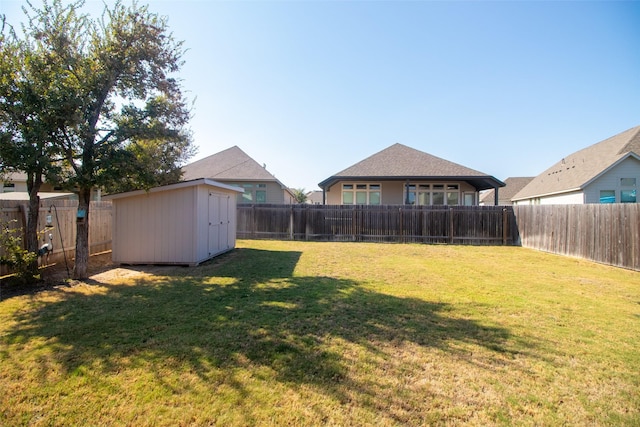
(628, 168)
(173, 224)
(150, 228)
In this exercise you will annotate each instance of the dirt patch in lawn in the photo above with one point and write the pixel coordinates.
(101, 269)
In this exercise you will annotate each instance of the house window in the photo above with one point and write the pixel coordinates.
(252, 193)
(628, 196)
(453, 194)
(628, 190)
(435, 194)
(375, 195)
(8, 187)
(607, 196)
(247, 196)
(361, 194)
(261, 193)
(469, 199)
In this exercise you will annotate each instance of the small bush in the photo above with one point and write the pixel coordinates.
(19, 260)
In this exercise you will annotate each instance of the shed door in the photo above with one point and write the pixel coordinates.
(218, 223)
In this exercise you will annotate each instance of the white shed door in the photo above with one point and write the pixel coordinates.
(218, 223)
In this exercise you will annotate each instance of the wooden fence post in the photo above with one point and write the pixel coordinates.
(291, 223)
(450, 225)
(400, 233)
(505, 223)
(253, 221)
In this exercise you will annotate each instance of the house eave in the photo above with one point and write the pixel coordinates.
(484, 182)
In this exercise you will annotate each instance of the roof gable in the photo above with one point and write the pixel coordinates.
(575, 171)
(401, 162)
(230, 164)
(512, 187)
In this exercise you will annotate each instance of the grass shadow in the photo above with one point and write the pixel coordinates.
(244, 309)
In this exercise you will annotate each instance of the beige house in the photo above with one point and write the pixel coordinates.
(14, 187)
(184, 223)
(234, 167)
(403, 175)
(605, 172)
(512, 186)
(314, 197)
(16, 182)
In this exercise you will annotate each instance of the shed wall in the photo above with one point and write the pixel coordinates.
(156, 228)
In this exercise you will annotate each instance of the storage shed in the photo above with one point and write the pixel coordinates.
(184, 223)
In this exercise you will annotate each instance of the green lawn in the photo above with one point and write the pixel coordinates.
(295, 333)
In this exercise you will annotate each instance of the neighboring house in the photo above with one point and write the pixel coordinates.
(234, 167)
(606, 172)
(314, 197)
(513, 185)
(16, 182)
(403, 175)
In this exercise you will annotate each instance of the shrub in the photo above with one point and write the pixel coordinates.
(19, 260)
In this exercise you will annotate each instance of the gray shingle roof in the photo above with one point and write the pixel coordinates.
(512, 187)
(230, 164)
(401, 162)
(577, 170)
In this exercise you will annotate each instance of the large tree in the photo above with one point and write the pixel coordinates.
(33, 109)
(127, 127)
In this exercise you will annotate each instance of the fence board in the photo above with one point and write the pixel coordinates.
(412, 224)
(607, 233)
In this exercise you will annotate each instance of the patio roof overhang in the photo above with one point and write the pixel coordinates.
(478, 182)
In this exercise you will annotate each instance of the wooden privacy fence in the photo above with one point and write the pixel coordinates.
(606, 233)
(477, 225)
(57, 219)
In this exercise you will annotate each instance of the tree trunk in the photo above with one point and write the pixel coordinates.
(31, 232)
(82, 235)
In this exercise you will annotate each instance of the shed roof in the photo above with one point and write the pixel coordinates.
(577, 170)
(183, 184)
(399, 162)
(230, 164)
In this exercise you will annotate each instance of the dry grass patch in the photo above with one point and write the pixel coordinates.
(292, 333)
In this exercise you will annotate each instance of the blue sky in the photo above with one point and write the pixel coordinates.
(312, 87)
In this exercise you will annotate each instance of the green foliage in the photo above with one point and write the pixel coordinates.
(92, 103)
(300, 195)
(19, 260)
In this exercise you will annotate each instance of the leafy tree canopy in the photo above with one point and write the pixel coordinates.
(300, 195)
(98, 98)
